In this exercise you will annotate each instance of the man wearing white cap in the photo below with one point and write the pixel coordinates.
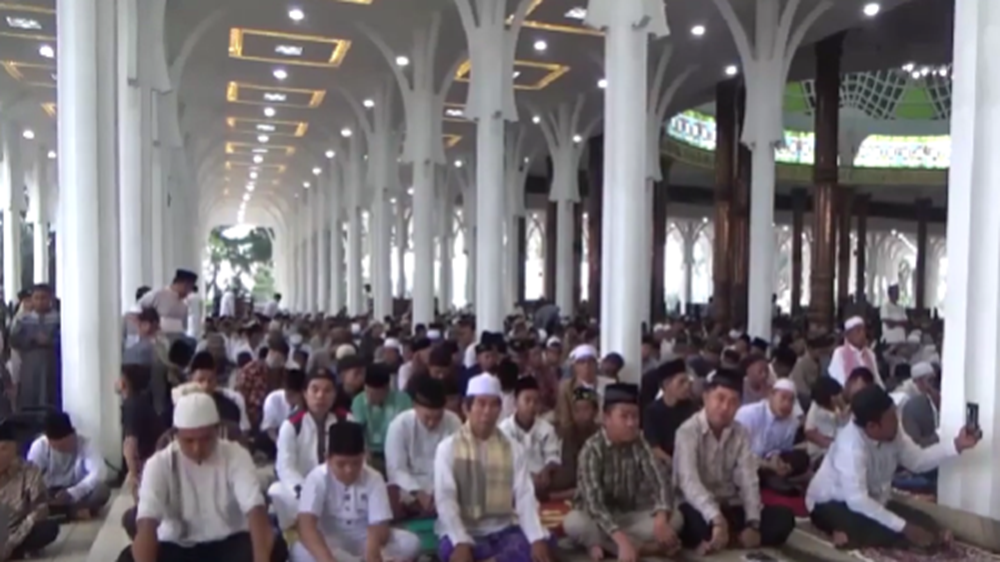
(894, 318)
(854, 353)
(485, 499)
(583, 363)
(920, 404)
(200, 498)
(771, 425)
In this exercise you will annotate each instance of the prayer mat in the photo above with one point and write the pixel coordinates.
(424, 529)
(795, 503)
(553, 513)
(957, 552)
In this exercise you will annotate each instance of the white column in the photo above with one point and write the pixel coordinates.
(402, 245)
(89, 217)
(129, 152)
(645, 296)
(354, 183)
(39, 213)
(971, 355)
(470, 246)
(323, 241)
(446, 240)
(158, 195)
(334, 211)
(12, 202)
(312, 285)
(517, 162)
(628, 25)
(689, 242)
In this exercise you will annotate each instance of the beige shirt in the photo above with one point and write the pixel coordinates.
(714, 472)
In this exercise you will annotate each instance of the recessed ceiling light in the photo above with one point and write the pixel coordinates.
(453, 112)
(265, 127)
(52, 155)
(23, 23)
(402, 60)
(269, 112)
(458, 163)
(577, 139)
(698, 30)
(872, 9)
(732, 70)
(345, 132)
(47, 51)
(317, 171)
(577, 13)
(280, 73)
(330, 154)
(536, 120)
(409, 191)
(288, 50)
(602, 83)
(260, 151)
(541, 45)
(258, 159)
(296, 14)
(251, 187)
(368, 103)
(305, 184)
(253, 175)
(516, 74)
(28, 134)
(263, 138)
(246, 196)
(275, 96)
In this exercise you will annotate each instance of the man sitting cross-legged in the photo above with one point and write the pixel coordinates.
(72, 468)
(344, 510)
(410, 445)
(624, 502)
(486, 503)
(849, 496)
(536, 436)
(716, 471)
(771, 425)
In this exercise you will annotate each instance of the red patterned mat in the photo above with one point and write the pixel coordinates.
(956, 553)
(553, 513)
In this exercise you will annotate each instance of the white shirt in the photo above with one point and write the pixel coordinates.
(846, 355)
(410, 448)
(271, 309)
(237, 398)
(227, 305)
(403, 375)
(450, 523)
(197, 503)
(825, 422)
(276, 410)
(469, 358)
(894, 313)
(541, 444)
(78, 472)
(194, 316)
(768, 434)
(345, 509)
(297, 454)
(859, 472)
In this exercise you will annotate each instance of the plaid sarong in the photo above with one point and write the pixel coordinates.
(484, 474)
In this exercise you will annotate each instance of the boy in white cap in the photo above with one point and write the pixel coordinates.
(485, 499)
(854, 353)
(344, 511)
(200, 498)
(771, 425)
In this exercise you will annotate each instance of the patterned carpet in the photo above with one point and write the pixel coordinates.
(955, 553)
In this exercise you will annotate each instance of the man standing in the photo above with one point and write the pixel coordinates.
(854, 353)
(894, 319)
(171, 302)
(36, 336)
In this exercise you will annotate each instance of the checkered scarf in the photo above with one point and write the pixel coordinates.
(484, 474)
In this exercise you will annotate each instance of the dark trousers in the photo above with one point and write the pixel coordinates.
(797, 460)
(234, 548)
(128, 522)
(41, 535)
(776, 524)
(864, 532)
(261, 442)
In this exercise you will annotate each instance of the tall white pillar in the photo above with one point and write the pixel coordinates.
(971, 355)
(129, 151)
(689, 242)
(402, 246)
(446, 253)
(334, 210)
(39, 212)
(89, 198)
(323, 241)
(12, 183)
(471, 247)
(354, 184)
(628, 25)
(312, 235)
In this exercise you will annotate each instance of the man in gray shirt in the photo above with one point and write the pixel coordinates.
(170, 303)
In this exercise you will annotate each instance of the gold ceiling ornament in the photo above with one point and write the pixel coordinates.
(254, 149)
(239, 37)
(276, 96)
(554, 27)
(553, 72)
(31, 74)
(49, 109)
(451, 140)
(240, 165)
(269, 127)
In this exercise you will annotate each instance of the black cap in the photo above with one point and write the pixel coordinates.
(9, 430)
(428, 392)
(181, 352)
(785, 356)
(351, 362)
(149, 315)
(58, 425)
(420, 344)
(524, 384)
(726, 378)
(378, 375)
(185, 276)
(621, 393)
(760, 343)
(869, 404)
(295, 380)
(346, 438)
(615, 358)
(203, 361)
(820, 341)
(670, 369)
(440, 357)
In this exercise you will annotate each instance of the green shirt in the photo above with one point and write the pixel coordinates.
(376, 418)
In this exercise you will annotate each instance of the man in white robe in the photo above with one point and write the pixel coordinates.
(854, 353)
(344, 510)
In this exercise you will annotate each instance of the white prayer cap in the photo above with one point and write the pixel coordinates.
(484, 385)
(553, 342)
(853, 322)
(583, 353)
(784, 384)
(194, 411)
(433, 334)
(355, 328)
(914, 337)
(735, 334)
(182, 390)
(345, 350)
(921, 370)
(295, 340)
(393, 343)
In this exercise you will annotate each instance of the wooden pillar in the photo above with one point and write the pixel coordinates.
(657, 302)
(845, 199)
(725, 167)
(922, 212)
(799, 202)
(861, 201)
(595, 214)
(551, 234)
(825, 176)
(577, 253)
(740, 222)
(522, 257)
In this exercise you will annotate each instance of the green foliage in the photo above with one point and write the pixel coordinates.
(249, 256)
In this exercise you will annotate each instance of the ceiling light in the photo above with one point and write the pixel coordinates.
(52, 155)
(23, 23)
(305, 184)
(698, 30)
(260, 151)
(251, 187)
(246, 196)
(516, 74)
(732, 70)
(288, 50)
(265, 127)
(330, 154)
(402, 61)
(28, 134)
(280, 73)
(253, 175)
(602, 83)
(317, 171)
(872, 9)
(577, 139)
(269, 112)
(345, 132)
(274, 96)
(258, 159)
(908, 67)
(47, 51)
(541, 45)
(263, 138)
(368, 103)
(527, 159)
(454, 112)
(943, 71)
(577, 13)
(409, 191)
(296, 14)
(536, 120)
(458, 163)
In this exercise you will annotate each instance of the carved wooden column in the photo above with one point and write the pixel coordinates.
(861, 201)
(845, 203)
(725, 167)
(922, 212)
(740, 222)
(825, 176)
(595, 214)
(522, 256)
(799, 202)
(551, 228)
(577, 253)
(657, 302)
